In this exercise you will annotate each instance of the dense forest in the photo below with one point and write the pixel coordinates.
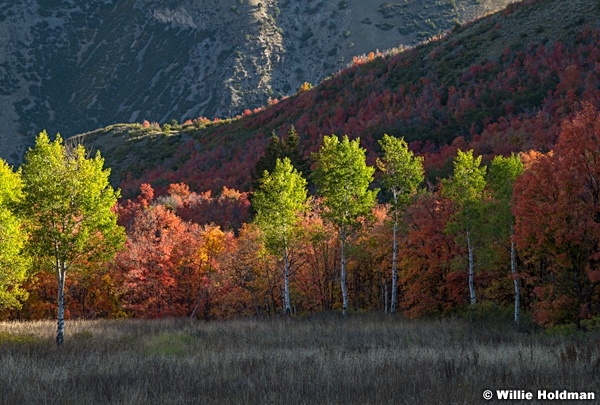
(522, 231)
(443, 193)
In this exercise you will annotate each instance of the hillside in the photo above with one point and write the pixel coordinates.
(500, 84)
(71, 67)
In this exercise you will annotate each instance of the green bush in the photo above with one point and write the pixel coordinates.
(9, 338)
(592, 324)
(569, 329)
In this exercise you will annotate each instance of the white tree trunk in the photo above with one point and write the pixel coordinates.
(513, 269)
(286, 278)
(471, 269)
(394, 271)
(385, 297)
(60, 332)
(343, 274)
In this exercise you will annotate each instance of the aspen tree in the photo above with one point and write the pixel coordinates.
(279, 201)
(503, 173)
(13, 261)
(402, 174)
(466, 189)
(68, 208)
(342, 178)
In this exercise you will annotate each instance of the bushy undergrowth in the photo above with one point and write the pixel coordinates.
(326, 359)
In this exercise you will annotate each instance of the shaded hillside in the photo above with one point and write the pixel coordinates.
(75, 66)
(500, 84)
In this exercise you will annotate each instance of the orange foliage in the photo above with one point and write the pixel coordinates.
(557, 209)
(316, 280)
(248, 282)
(89, 294)
(159, 247)
(430, 284)
(306, 86)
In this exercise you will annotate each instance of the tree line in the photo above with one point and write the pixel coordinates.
(521, 231)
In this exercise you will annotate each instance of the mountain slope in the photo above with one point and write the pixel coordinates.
(74, 66)
(500, 84)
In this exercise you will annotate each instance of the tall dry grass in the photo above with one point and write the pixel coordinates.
(359, 360)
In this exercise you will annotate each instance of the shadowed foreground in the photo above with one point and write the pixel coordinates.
(322, 360)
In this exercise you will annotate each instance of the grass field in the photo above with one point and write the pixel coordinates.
(322, 360)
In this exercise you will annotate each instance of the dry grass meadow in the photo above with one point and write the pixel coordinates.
(321, 360)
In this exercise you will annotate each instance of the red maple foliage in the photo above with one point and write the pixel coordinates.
(430, 283)
(557, 209)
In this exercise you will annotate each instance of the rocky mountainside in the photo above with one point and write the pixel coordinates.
(70, 66)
